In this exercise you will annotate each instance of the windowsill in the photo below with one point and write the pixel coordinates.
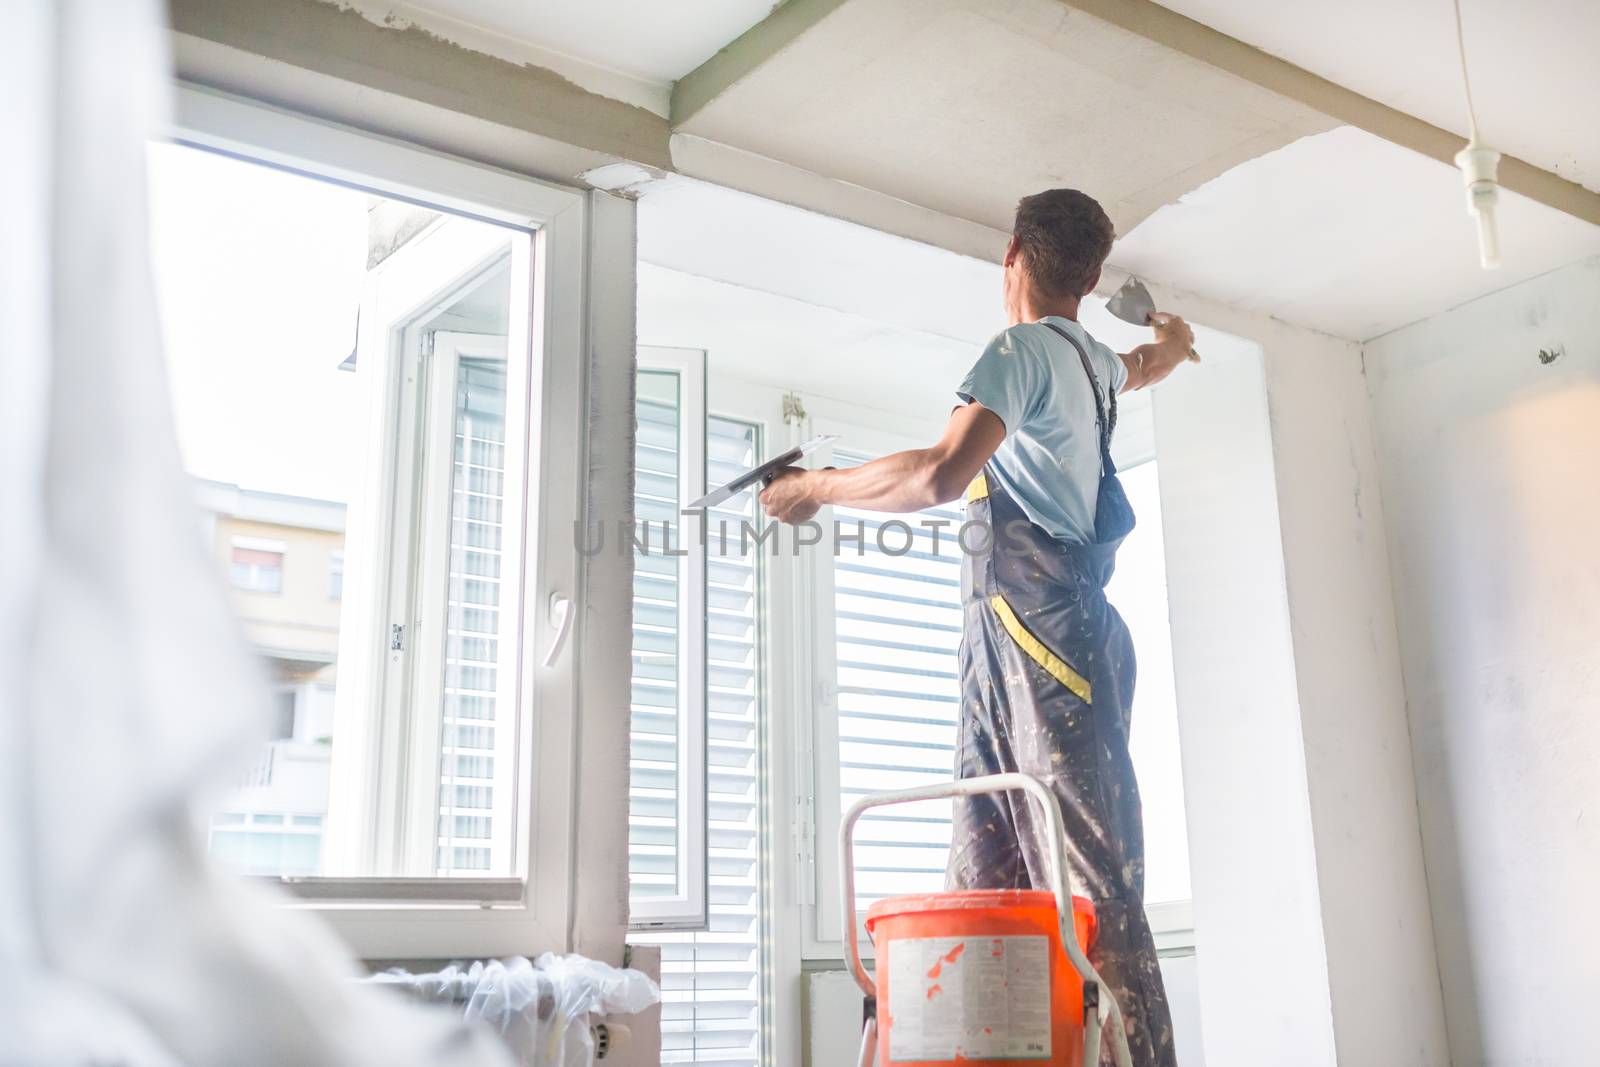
(399, 892)
(1172, 925)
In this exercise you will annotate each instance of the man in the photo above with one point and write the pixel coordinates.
(1047, 667)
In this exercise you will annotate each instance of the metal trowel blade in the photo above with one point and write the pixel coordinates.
(1132, 302)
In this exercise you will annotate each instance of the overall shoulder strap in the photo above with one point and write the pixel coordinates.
(1107, 425)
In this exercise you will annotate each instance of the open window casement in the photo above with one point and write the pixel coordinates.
(667, 829)
(427, 720)
(451, 798)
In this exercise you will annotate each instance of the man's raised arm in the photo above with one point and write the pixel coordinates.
(1148, 364)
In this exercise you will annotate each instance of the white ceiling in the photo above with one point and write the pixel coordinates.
(1535, 78)
(627, 51)
(659, 40)
(754, 336)
(712, 232)
(1535, 74)
(963, 106)
(1345, 233)
(784, 297)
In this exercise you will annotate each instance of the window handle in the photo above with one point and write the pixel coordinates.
(561, 619)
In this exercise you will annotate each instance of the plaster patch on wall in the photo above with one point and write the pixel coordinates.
(605, 81)
(1345, 233)
(961, 107)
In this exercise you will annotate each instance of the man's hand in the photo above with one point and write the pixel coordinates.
(1172, 332)
(1174, 344)
(788, 497)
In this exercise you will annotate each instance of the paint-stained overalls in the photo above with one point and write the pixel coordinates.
(1047, 674)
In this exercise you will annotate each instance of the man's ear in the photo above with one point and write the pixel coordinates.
(1092, 285)
(1013, 250)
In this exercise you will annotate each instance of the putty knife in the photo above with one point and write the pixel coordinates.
(764, 473)
(1132, 303)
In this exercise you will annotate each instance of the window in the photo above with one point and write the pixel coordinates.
(1138, 589)
(434, 468)
(257, 566)
(667, 790)
(897, 626)
(285, 710)
(412, 448)
(712, 979)
(473, 673)
(267, 843)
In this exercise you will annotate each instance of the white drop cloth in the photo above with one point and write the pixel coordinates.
(127, 688)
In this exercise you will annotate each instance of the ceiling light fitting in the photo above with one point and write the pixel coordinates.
(1478, 164)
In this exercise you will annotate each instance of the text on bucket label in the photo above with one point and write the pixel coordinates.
(979, 998)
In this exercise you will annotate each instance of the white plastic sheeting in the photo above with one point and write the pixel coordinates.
(128, 691)
(542, 1010)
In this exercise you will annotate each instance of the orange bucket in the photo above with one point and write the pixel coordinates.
(977, 978)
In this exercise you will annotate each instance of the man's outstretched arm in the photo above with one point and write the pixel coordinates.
(1148, 364)
(904, 481)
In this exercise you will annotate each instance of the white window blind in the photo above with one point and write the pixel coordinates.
(667, 787)
(657, 595)
(712, 979)
(897, 629)
(470, 715)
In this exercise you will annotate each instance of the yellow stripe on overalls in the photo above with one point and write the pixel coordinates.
(1052, 664)
(978, 488)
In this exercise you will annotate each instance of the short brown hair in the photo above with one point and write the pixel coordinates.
(1064, 237)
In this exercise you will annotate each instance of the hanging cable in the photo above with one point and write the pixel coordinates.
(1466, 82)
(1478, 164)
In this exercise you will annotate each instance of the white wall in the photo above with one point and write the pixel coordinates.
(1373, 891)
(600, 823)
(1293, 755)
(1489, 479)
(1181, 976)
(1253, 865)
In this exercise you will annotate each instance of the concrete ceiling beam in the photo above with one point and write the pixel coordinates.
(739, 58)
(417, 65)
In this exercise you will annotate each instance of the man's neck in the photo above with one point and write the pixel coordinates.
(1032, 306)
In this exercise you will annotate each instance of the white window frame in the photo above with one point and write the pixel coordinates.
(423, 917)
(426, 656)
(686, 908)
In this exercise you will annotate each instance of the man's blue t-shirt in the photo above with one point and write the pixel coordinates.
(1049, 463)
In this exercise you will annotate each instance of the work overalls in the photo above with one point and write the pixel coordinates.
(1047, 672)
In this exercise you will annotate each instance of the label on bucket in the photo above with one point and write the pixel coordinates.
(978, 998)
